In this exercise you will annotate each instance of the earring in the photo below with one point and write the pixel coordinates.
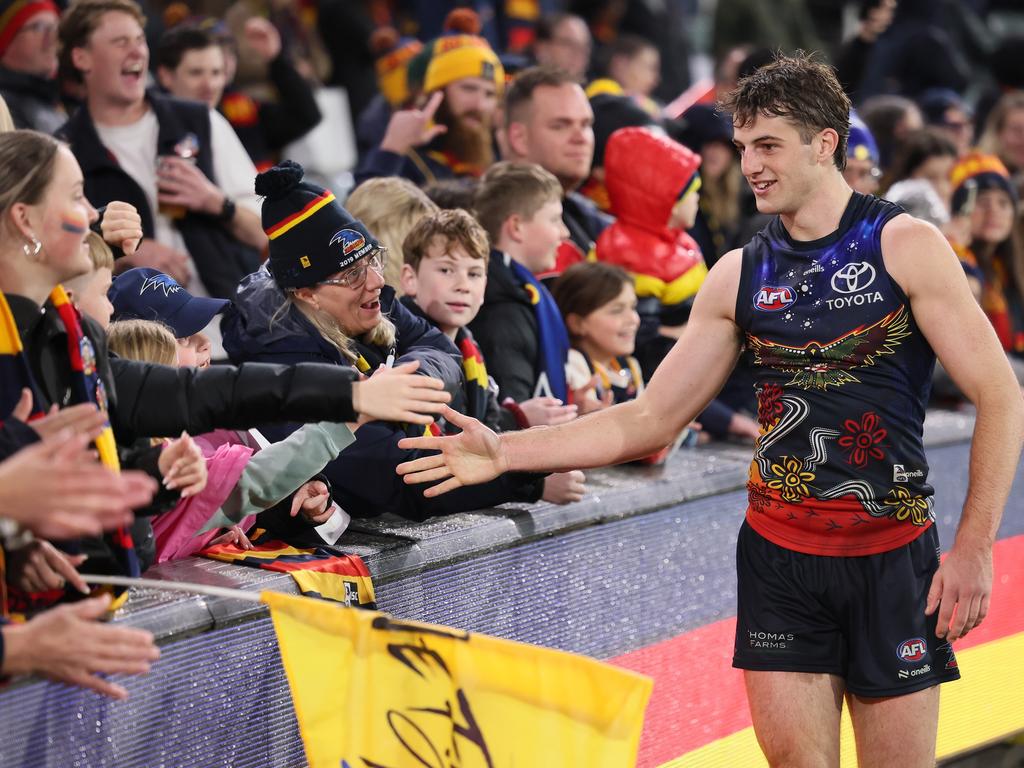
(34, 250)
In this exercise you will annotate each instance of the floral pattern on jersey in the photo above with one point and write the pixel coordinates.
(862, 440)
(824, 364)
(791, 479)
(903, 505)
(769, 405)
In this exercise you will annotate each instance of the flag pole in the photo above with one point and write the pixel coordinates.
(178, 586)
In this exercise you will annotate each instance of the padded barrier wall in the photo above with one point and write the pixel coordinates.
(607, 590)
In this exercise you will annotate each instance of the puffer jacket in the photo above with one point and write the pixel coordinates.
(363, 478)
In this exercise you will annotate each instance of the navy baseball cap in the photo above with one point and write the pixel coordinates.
(147, 294)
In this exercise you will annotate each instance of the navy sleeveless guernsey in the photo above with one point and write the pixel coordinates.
(843, 375)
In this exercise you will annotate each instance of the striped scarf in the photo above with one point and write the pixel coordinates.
(553, 340)
(86, 387)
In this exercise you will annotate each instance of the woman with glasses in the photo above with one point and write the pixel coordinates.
(322, 298)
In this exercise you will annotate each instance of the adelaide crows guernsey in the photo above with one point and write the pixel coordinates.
(842, 374)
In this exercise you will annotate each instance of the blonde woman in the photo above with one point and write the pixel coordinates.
(322, 299)
(390, 206)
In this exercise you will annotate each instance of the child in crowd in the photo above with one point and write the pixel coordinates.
(519, 328)
(240, 483)
(89, 291)
(389, 206)
(599, 304)
(444, 278)
(144, 293)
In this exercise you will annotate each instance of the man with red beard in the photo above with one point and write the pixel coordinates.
(451, 135)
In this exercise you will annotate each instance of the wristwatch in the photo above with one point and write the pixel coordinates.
(227, 210)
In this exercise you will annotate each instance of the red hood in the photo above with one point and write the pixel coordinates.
(644, 173)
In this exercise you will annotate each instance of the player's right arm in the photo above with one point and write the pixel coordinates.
(685, 382)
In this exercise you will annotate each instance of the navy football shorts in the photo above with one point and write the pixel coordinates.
(861, 618)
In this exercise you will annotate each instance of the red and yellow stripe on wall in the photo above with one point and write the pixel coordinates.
(698, 717)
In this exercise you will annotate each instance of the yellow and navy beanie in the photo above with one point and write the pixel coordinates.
(311, 236)
(976, 173)
(15, 15)
(461, 53)
(393, 56)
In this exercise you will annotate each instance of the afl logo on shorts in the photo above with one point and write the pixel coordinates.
(911, 651)
(772, 299)
(351, 241)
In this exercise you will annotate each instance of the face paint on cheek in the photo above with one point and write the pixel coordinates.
(74, 225)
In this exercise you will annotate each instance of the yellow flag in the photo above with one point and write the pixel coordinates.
(371, 691)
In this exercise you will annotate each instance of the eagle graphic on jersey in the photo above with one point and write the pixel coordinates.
(824, 364)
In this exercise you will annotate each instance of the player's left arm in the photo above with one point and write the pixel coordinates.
(921, 261)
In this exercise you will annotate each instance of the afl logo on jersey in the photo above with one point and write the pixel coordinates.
(772, 299)
(912, 650)
(350, 240)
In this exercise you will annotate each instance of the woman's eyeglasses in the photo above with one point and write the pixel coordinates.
(355, 276)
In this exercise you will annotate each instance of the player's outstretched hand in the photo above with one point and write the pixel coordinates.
(398, 394)
(471, 457)
(960, 590)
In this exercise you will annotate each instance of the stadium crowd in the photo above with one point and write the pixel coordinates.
(540, 190)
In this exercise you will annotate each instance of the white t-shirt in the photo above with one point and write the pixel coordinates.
(134, 146)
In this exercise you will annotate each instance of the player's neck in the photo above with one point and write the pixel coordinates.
(821, 213)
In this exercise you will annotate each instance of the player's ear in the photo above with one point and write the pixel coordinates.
(827, 141)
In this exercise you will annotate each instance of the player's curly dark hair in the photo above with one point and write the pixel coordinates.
(800, 89)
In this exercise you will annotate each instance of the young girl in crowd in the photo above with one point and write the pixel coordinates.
(599, 303)
(654, 187)
(240, 483)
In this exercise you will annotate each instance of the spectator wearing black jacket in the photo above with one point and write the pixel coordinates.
(444, 277)
(322, 298)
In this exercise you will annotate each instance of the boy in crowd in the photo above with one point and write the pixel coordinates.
(89, 291)
(444, 278)
(519, 328)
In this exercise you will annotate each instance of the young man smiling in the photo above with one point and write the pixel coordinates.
(179, 163)
(841, 594)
